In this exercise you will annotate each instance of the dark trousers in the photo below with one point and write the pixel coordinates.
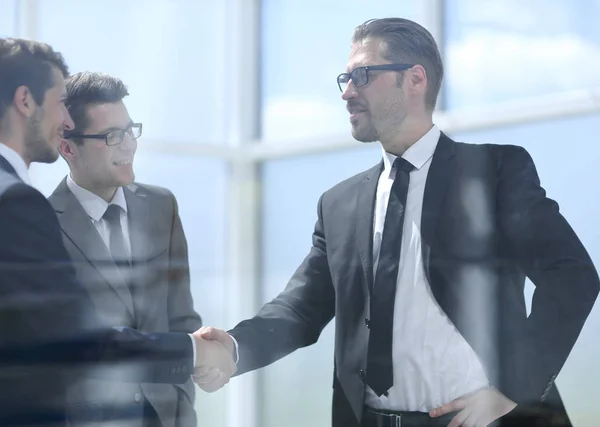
(377, 418)
(518, 418)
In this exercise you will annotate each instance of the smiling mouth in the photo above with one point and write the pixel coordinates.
(355, 114)
(123, 162)
(356, 110)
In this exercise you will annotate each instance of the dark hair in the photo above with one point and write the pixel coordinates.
(87, 89)
(27, 63)
(406, 41)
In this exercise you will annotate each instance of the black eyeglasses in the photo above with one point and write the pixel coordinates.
(360, 75)
(114, 137)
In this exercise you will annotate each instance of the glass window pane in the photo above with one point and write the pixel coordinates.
(171, 54)
(291, 190)
(203, 214)
(501, 51)
(297, 389)
(8, 18)
(202, 209)
(567, 162)
(305, 45)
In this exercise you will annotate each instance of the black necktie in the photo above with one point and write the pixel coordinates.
(117, 239)
(380, 375)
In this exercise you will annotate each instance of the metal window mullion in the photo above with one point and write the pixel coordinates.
(26, 18)
(243, 248)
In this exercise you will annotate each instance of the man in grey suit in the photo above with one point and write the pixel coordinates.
(129, 250)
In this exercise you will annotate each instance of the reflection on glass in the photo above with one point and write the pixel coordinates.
(203, 214)
(502, 51)
(202, 208)
(297, 389)
(566, 160)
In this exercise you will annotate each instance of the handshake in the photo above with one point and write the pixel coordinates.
(216, 358)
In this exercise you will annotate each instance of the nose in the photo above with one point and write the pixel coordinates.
(129, 143)
(349, 91)
(68, 123)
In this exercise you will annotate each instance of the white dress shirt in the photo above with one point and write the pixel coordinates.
(16, 161)
(95, 207)
(433, 364)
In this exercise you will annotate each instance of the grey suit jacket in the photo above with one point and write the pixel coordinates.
(161, 300)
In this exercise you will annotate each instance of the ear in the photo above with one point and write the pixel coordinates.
(24, 102)
(417, 79)
(68, 150)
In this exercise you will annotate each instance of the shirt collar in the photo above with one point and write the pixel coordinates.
(16, 161)
(417, 154)
(94, 205)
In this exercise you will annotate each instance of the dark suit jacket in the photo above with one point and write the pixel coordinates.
(486, 226)
(49, 331)
(161, 301)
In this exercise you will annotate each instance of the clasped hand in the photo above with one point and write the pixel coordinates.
(214, 365)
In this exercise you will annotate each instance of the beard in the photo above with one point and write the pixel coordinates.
(364, 132)
(37, 147)
(380, 119)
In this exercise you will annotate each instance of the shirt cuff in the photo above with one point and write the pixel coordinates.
(193, 350)
(237, 352)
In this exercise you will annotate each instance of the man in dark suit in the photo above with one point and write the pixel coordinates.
(50, 333)
(422, 260)
(145, 284)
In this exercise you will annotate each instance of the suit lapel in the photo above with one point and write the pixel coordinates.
(138, 212)
(76, 224)
(441, 172)
(4, 164)
(365, 209)
(143, 247)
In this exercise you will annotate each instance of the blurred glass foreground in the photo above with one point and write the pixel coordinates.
(243, 122)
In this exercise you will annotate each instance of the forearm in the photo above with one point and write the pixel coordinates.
(276, 331)
(156, 358)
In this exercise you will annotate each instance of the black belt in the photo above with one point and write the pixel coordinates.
(381, 418)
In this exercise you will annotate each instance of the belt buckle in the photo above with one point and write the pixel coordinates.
(394, 420)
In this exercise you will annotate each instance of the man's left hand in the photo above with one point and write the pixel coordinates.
(478, 409)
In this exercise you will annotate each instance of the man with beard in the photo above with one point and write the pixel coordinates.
(50, 333)
(422, 260)
(128, 247)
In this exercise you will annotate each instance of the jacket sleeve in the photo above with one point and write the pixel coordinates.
(554, 259)
(296, 317)
(47, 316)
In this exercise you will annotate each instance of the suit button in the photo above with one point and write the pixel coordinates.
(362, 375)
(137, 397)
(368, 322)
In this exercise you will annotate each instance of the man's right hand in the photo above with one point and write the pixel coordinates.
(215, 334)
(214, 363)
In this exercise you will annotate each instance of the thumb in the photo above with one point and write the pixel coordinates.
(215, 334)
(209, 333)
